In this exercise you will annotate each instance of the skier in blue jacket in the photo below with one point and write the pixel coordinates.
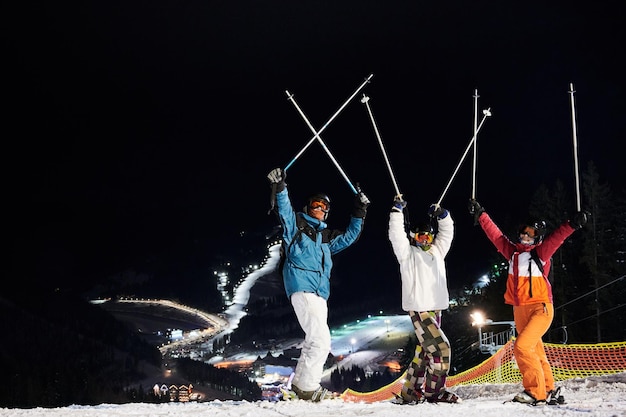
(309, 246)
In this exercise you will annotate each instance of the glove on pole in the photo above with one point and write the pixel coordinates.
(361, 203)
(398, 203)
(365, 100)
(277, 179)
(317, 136)
(436, 211)
(486, 113)
(367, 80)
(475, 210)
(579, 219)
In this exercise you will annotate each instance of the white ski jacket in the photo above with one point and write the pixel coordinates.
(423, 273)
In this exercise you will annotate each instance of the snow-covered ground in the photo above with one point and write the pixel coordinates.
(598, 396)
(361, 343)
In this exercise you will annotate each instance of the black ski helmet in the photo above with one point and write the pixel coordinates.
(318, 197)
(536, 226)
(423, 228)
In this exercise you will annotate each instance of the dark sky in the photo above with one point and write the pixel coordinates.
(136, 128)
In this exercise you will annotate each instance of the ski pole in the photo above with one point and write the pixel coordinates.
(367, 80)
(486, 113)
(475, 143)
(365, 100)
(571, 92)
(319, 139)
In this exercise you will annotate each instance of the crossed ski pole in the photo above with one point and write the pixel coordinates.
(316, 136)
(319, 132)
(319, 139)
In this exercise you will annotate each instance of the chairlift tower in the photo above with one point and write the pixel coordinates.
(490, 341)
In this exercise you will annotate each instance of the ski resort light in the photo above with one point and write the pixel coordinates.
(482, 281)
(478, 319)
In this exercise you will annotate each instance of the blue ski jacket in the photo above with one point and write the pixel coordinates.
(308, 260)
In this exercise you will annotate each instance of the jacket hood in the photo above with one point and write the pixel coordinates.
(313, 222)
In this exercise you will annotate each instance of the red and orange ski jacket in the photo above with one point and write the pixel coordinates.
(525, 283)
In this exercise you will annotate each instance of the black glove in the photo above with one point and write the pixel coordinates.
(475, 209)
(435, 210)
(579, 219)
(277, 176)
(361, 202)
(398, 203)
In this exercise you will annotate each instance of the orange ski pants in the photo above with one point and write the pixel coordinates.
(532, 322)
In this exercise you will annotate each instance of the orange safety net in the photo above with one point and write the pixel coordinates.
(567, 361)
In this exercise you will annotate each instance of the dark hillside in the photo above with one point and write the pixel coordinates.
(60, 350)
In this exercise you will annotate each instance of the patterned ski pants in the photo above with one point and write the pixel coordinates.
(430, 366)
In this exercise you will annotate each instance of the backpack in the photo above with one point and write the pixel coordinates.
(303, 227)
(535, 257)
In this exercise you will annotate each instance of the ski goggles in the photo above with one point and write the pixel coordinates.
(319, 204)
(528, 231)
(424, 238)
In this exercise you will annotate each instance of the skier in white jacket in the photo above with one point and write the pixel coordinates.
(421, 255)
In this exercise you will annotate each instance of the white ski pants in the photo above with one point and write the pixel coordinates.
(312, 313)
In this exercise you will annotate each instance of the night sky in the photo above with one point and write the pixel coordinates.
(139, 129)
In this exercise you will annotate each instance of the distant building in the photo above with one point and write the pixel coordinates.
(183, 393)
(173, 393)
(180, 393)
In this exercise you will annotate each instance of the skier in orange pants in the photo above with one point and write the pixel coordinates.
(529, 291)
(532, 321)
